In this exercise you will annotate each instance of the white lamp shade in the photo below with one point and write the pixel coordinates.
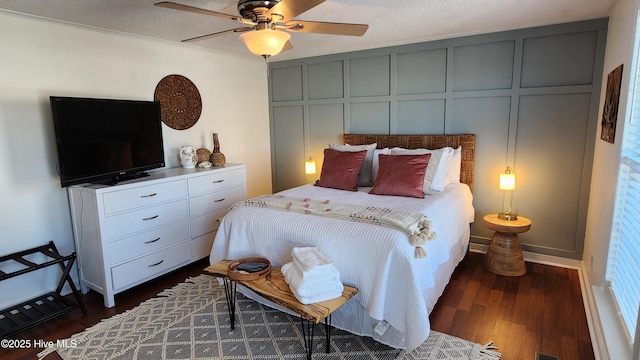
(310, 166)
(265, 42)
(507, 181)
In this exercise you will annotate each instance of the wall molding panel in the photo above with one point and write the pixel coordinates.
(530, 95)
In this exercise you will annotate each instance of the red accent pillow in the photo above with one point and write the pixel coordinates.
(401, 175)
(340, 169)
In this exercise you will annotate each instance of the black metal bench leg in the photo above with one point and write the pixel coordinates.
(307, 334)
(327, 329)
(230, 294)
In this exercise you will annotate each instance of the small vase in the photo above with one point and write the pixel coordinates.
(217, 158)
(188, 157)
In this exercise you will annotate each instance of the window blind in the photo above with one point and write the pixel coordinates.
(623, 265)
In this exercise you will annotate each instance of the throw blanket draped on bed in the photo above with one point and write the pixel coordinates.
(416, 225)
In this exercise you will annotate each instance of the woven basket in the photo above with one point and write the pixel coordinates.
(241, 276)
(203, 154)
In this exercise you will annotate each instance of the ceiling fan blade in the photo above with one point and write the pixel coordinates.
(176, 6)
(204, 37)
(326, 27)
(288, 9)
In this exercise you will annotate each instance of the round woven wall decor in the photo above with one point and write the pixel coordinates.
(180, 102)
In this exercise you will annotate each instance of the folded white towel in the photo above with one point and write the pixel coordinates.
(308, 289)
(310, 258)
(318, 273)
(318, 298)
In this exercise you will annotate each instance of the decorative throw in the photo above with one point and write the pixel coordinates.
(416, 225)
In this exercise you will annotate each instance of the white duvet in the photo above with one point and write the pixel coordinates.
(394, 286)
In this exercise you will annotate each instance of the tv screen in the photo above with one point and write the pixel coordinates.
(103, 140)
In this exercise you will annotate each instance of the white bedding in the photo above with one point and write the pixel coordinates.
(393, 285)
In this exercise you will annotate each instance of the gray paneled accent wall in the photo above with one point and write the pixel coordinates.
(531, 97)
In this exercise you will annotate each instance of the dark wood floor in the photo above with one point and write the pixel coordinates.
(540, 311)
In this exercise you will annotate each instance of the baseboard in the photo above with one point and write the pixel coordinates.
(596, 331)
(535, 257)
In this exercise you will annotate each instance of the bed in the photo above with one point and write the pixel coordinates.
(397, 289)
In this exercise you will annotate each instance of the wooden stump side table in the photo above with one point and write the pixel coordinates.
(504, 256)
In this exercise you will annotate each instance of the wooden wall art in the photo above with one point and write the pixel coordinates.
(180, 102)
(611, 101)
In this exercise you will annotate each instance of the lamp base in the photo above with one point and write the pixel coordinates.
(507, 216)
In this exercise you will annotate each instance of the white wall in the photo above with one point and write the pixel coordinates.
(620, 37)
(41, 58)
(620, 43)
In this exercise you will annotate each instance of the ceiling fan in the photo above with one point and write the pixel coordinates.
(268, 23)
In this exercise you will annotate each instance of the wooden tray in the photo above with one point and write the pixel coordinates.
(233, 274)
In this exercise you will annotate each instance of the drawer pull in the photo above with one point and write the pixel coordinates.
(219, 200)
(218, 181)
(150, 218)
(156, 264)
(151, 241)
(148, 195)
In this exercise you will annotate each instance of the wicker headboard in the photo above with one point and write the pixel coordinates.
(467, 141)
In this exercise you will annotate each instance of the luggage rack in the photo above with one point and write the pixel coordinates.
(45, 307)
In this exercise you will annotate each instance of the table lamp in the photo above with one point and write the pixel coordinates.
(507, 184)
(310, 166)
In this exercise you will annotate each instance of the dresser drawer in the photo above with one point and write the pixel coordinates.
(216, 180)
(145, 195)
(146, 242)
(150, 265)
(202, 204)
(201, 225)
(201, 246)
(144, 219)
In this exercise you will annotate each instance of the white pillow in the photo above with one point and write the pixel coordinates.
(447, 157)
(376, 163)
(453, 170)
(436, 173)
(364, 177)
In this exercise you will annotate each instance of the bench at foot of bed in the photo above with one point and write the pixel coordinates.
(273, 287)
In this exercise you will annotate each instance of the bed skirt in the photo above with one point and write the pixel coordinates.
(354, 318)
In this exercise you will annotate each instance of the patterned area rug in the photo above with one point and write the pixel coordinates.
(191, 321)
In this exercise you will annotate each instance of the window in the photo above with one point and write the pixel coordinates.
(623, 274)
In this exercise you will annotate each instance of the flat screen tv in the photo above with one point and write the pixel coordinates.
(106, 141)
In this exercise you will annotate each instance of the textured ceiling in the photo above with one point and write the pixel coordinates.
(391, 22)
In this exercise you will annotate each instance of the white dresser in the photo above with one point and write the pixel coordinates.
(134, 231)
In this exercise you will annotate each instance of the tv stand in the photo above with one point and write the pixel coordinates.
(121, 178)
(126, 177)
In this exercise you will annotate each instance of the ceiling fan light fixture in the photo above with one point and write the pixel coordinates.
(265, 42)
